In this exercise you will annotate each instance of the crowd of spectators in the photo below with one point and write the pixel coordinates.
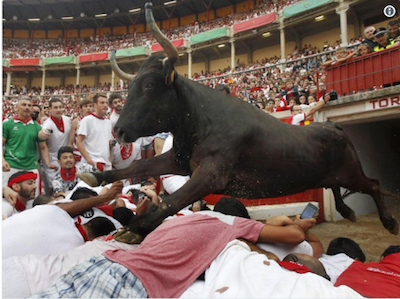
(260, 80)
(256, 82)
(260, 83)
(13, 48)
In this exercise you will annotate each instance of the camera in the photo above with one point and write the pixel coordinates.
(48, 131)
(333, 94)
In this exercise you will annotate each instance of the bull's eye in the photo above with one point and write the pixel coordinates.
(149, 86)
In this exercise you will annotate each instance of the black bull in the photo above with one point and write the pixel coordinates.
(230, 147)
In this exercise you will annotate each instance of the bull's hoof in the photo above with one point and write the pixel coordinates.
(391, 225)
(352, 216)
(128, 236)
(89, 178)
(348, 214)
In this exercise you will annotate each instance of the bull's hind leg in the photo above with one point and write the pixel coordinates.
(341, 207)
(371, 187)
(363, 184)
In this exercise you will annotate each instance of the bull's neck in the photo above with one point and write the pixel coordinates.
(188, 121)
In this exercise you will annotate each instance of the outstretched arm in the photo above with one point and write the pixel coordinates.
(314, 109)
(79, 206)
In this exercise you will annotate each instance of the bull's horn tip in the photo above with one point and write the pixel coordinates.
(148, 5)
(88, 178)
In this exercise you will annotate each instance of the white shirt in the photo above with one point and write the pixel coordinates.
(116, 157)
(57, 139)
(114, 116)
(43, 229)
(335, 264)
(298, 118)
(26, 275)
(97, 134)
(282, 250)
(172, 182)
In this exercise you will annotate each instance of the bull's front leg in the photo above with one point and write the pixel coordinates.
(204, 181)
(154, 166)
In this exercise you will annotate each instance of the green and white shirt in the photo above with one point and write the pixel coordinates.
(20, 146)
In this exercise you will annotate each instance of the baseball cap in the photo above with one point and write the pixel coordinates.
(380, 31)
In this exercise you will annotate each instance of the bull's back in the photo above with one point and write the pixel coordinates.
(288, 160)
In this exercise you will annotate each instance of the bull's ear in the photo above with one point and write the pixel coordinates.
(169, 72)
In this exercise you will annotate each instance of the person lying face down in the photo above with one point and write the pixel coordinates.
(189, 245)
(375, 279)
(311, 245)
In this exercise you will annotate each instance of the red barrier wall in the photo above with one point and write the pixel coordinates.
(367, 72)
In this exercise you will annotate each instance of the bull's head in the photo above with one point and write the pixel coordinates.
(151, 96)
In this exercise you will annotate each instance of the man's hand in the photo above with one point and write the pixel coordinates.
(91, 162)
(52, 166)
(142, 206)
(280, 220)
(10, 195)
(43, 135)
(115, 189)
(6, 166)
(305, 224)
(151, 194)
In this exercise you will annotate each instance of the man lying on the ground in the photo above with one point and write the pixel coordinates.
(311, 245)
(25, 275)
(375, 279)
(168, 260)
(341, 253)
(47, 229)
(239, 273)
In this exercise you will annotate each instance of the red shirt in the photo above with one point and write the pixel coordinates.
(374, 280)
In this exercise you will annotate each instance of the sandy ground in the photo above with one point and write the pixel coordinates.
(368, 232)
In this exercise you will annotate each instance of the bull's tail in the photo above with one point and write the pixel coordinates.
(385, 193)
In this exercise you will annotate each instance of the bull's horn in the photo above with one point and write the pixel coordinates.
(168, 47)
(117, 69)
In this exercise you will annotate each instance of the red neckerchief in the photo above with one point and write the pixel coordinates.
(127, 197)
(80, 228)
(59, 123)
(96, 115)
(25, 121)
(106, 209)
(296, 267)
(20, 206)
(68, 175)
(126, 152)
